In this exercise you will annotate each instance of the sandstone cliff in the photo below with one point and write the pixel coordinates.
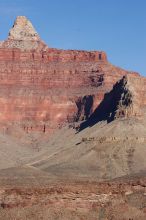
(43, 87)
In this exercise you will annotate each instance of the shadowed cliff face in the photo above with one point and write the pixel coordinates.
(123, 101)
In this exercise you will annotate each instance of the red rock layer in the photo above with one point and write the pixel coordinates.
(15, 54)
(44, 94)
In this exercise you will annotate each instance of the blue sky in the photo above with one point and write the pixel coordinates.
(115, 26)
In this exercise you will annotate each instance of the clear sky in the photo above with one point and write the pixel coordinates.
(115, 26)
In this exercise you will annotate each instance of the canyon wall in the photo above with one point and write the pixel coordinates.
(41, 88)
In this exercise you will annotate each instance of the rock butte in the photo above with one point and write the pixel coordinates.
(42, 87)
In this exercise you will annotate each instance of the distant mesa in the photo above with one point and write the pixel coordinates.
(43, 88)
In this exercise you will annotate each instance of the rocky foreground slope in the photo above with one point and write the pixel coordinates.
(118, 200)
(72, 133)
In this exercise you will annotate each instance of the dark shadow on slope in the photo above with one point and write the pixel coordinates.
(106, 110)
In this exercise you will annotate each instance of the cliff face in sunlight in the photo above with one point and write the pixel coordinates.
(43, 87)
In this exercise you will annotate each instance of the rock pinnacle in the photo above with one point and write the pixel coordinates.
(23, 30)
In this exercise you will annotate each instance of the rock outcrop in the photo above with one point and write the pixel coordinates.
(41, 87)
(127, 99)
(123, 101)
